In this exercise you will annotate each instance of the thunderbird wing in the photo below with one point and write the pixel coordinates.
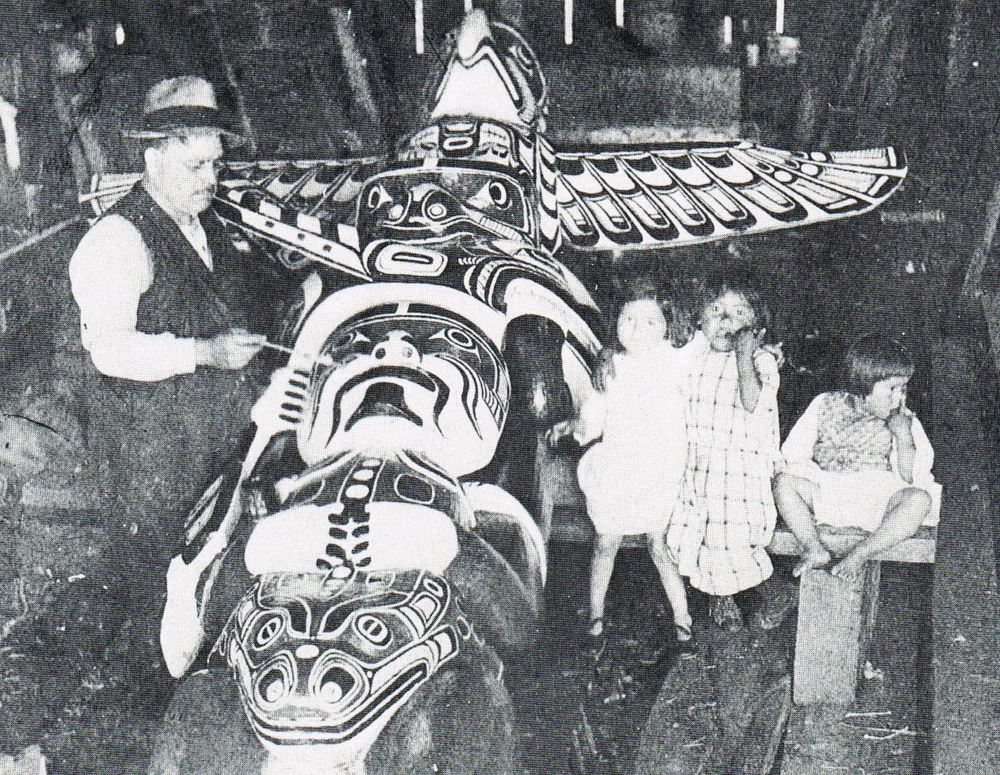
(681, 194)
(300, 212)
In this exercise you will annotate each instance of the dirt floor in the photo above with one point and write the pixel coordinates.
(563, 697)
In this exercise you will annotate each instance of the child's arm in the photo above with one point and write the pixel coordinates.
(751, 374)
(900, 424)
(586, 426)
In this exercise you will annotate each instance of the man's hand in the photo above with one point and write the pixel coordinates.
(776, 350)
(231, 350)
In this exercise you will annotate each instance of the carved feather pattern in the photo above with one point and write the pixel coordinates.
(686, 193)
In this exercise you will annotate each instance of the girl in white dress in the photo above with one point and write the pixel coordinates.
(631, 478)
(859, 458)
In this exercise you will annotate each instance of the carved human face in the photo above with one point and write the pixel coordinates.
(181, 172)
(409, 376)
(412, 204)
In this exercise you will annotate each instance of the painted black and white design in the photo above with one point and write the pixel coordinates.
(439, 313)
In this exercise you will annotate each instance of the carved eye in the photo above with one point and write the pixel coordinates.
(494, 194)
(522, 56)
(374, 630)
(272, 685)
(334, 684)
(436, 210)
(349, 339)
(456, 337)
(499, 194)
(267, 631)
(377, 197)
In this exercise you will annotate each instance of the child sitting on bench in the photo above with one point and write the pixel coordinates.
(859, 458)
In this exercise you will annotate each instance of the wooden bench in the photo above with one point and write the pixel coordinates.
(836, 617)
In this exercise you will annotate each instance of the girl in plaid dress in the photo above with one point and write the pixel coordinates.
(726, 514)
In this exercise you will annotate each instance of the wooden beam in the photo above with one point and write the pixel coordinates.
(965, 598)
(356, 69)
(978, 263)
(919, 549)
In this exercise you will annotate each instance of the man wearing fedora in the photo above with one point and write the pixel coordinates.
(172, 318)
(171, 315)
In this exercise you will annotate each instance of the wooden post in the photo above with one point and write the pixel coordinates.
(836, 617)
(234, 84)
(980, 257)
(356, 68)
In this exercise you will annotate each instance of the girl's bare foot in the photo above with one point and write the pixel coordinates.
(814, 557)
(848, 568)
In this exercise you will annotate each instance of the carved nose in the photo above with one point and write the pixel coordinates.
(396, 349)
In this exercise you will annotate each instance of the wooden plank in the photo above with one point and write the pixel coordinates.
(919, 549)
(834, 616)
(31, 761)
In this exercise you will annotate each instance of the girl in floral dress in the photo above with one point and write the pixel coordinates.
(726, 514)
(859, 458)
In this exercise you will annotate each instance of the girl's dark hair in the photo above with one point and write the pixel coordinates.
(872, 359)
(740, 278)
(678, 317)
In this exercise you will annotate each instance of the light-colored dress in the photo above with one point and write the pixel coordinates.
(850, 455)
(631, 478)
(726, 514)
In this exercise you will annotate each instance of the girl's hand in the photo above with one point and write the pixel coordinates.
(559, 431)
(900, 423)
(747, 341)
(775, 350)
(604, 369)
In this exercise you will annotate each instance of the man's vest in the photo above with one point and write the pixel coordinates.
(181, 418)
(186, 298)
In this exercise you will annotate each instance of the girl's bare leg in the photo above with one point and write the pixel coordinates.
(793, 496)
(904, 515)
(672, 582)
(602, 565)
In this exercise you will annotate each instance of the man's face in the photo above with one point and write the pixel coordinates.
(182, 170)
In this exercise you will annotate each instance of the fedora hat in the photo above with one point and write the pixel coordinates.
(176, 106)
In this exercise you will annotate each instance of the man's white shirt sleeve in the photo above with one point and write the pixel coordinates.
(109, 272)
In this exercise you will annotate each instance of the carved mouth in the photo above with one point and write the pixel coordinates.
(385, 395)
(384, 399)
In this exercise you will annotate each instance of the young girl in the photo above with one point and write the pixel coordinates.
(859, 458)
(631, 478)
(726, 514)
